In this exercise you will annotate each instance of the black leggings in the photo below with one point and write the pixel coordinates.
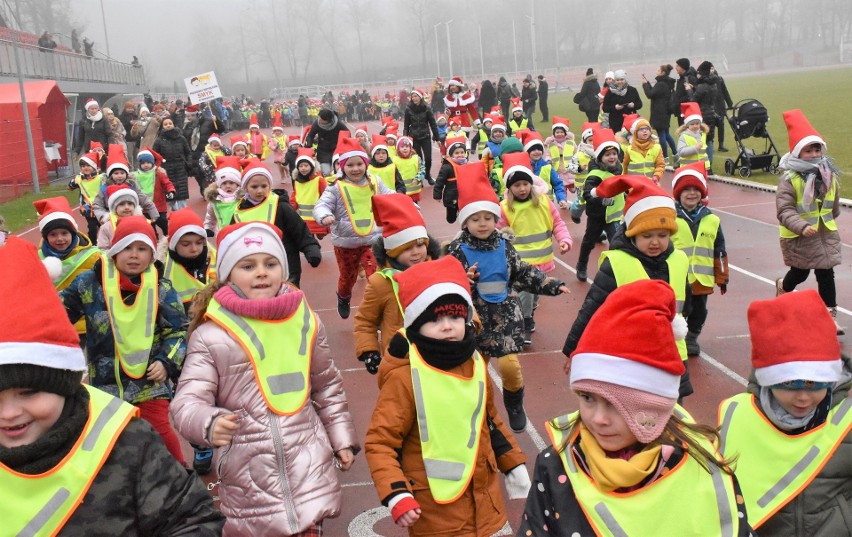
(825, 283)
(423, 147)
(698, 315)
(594, 228)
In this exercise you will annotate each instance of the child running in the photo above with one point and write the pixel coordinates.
(154, 182)
(382, 166)
(118, 173)
(692, 136)
(207, 160)
(560, 147)
(308, 186)
(644, 156)
(579, 166)
(408, 166)
(283, 424)
(222, 195)
(256, 142)
(122, 201)
(534, 146)
(89, 181)
(446, 186)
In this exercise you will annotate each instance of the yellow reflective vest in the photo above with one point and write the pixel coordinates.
(265, 211)
(560, 156)
(700, 249)
(280, 353)
(224, 212)
(643, 164)
(387, 174)
(89, 188)
(184, 284)
(449, 435)
(818, 210)
(772, 467)
(580, 178)
(701, 156)
(42, 504)
(306, 194)
(358, 201)
(533, 227)
(481, 141)
(614, 212)
(409, 168)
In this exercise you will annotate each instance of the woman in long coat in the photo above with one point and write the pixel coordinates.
(176, 160)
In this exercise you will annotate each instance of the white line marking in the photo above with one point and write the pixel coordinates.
(724, 369)
(530, 429)
(358, 484)
(770, 224)
(734, 337)
(351, 369)
(743, 205)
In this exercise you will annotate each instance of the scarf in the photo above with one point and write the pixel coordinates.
(276, 308)
(626, 471)
(644, 147)
(46, 452)
(330, 127)
(787, 422)
(818, 174)
(50, 252)
(588, 149)
(225, 196)
(196, 267)
(621, 92)
(95, 118)
(444, 354)
(171, 134)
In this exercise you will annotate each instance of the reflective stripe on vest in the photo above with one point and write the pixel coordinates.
(643, 164)
(686, 488)
(36, 505)
(213, 154)
(280, 353)
(224, 212)
(183, 283)
(493, 282)
(628, 269)
(357, 199)
(580, 178)
(701, 156)
(387, 273)
(409, 168)
(513, 123)
(533, 227)
(614, 212)
(814, 212)
(449, 440)
(387, 174)
(772, 467)
(132, 325)
(71, 264)
(306, 194)
(265, 211)
(700, 249)
(89, 188)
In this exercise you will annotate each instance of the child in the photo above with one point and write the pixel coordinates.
(481, 136)
(405, 243)
(644, 156)
(154, 183)
(278, 145)
(308, 186)
(807, 205)
(534, 146)
(207, 160)
(288, 416)
(499, 273)
(294, 142)
(135, 325)
(445, 185)
(89, 181)
(519, 120)
(118, 173)
(261, 204)
(441, 124)
(792, 431)
(239, 147)
(363, 137)
(631, 462)
(692, 136)
(123, 201)
(561, 148)
(256, 142)
(222, 196)
(391, 133)
(72, 458)
(641, 249)
(347, 207)
(534, 220)
(454, 130)
(382, 166)
(699, 235)
(432, 357)
(492, 150)
(408, 167)
(579, 166)
(602, 214)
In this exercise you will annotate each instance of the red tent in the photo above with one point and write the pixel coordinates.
(47, 108)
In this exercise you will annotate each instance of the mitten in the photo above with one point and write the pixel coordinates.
(210, 233)
(573, 165)
(371, 360)
(170, 196)
(723, 288)
(518, 482)
(72, 184)
(314, 256)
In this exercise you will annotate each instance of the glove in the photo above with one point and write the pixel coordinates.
(518, 482)
(314, 257)
(723, 288)
(608, 201)
(209, 233)
(170, 196)
(371, 360)
(72, 184)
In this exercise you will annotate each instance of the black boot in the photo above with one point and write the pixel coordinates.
(529, 324)
(581, 272)
(343, 307)
(514, 402)
(692, 346)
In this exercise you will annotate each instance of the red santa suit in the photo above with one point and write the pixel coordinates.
(461, 106)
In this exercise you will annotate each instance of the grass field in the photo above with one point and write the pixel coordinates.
(20, 213)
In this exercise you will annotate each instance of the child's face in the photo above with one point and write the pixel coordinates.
(404, 151)
(413, 255)
(521, 189)
(26, 415)
(134, 259)
(229, 187)
(694, 126)
(558, 134)
(481, 225)
(145, 166)
(355, 168)
(517, 114)
(258, 188)
(391, 142)
(118, 176)
(125, 208)
(381, 156)
(653, 242)
(86, 169)
(240, 151)
(458, 152)
(643, 134)
(190, 246)
(361, 136)
(497, 135)
(441, 122)
(604, 422)
(305, 168)
(690, 197)
(799, 403)
(446, 328)
(215, 146)
(810, 152)
(258, 276)
(610, 156)
(59, 239)
(254, 130)
(455, 127)
(535, 154)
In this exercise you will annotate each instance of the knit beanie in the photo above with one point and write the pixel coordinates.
(450, 305)
(237, 241)
(704, 68)
(683, 63)
(511, 145)
(590, 71)
(145, 157)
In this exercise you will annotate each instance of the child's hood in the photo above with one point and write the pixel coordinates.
(392, 362)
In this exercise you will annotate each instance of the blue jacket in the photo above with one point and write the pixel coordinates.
(555, 180)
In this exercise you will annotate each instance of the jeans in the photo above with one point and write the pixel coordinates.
(666, 140)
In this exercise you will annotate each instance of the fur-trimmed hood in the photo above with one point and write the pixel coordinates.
(704, 128)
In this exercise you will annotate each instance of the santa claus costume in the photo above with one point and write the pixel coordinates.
(461, 104)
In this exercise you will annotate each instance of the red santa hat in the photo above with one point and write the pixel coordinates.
(400, 220)
(392, 132)
(516, 163)
(419, 92)
(588, 128)
(228, 168)
(237, 241)
(116, 159)
(475, 191)
(214, 138)
(90, 103)
(92, 159)
(639, 371)
(54, 213)
(378, 142)
(690, 112)
(388, 120)
(604, 139)
(451, 143)
(440, 117)
(629, 120)
(780, 350)
(96, 146)
(36, 331)
(238, 140)
(294, 139)
(455, 121)
(520, 133)
(253, 122)
(132, 229)
(516, 105)
(531, 140)
(800, 132)
(456, 81)
(348, 148)
(647, 206)
(193, 109)
(362, 129)
(498, 124)
(560, 123)
(489, 118)
(276, 122)
(252, 167)
(305, 154)
(425, 283)
(184, 221)
(307, 129)
(694, 174)
(118, 193)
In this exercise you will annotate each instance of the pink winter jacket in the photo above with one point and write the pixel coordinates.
(278, 475)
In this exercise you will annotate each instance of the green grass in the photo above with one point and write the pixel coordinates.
(818, 93)
(20, 213)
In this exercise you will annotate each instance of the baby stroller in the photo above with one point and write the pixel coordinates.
(748, 119)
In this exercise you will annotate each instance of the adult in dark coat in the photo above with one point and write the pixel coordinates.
(660, 95)
(543, 89)
(92, 127)
(206, 125)
(587, 99)
(487, 97)
(528, 97)
(705, 93)
(303, 110)
(620, 100)
(128, 117)
(176, 154)
(419, 124)
(504, 95)
(723, 102)
(325, 131)
(686, 75)
(438, 94)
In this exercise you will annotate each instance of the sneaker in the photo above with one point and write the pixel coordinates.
(575, 219)
(722, 149)
(343, 308)
(531, 323)
(202, 462)
(692, 346)
(430, 181)
(779, 287)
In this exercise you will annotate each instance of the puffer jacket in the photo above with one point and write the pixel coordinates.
(821, 251)
(176, 160)
(278, 473)
(705, 93)
(92, 131)
(419, 122)
(660, 95)
(342, 233)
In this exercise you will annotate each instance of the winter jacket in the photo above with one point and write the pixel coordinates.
(587, 99)
(529, 96)
(594, 205)
(83, 243)
(604, 284)
(504, 93)
(554, 180)
(660, 95)
(705, 93)
(84, 298)
(208, 167)
(503, 323)
(176, 160)
(395, 456)
(720, 253)
(313, 226)
(419, 122)
(560, 231)
(487, 97)
(445, 189)
(616, 117)
(331, 204)
(821, 251)
(127, 119)
(92, 131)
(277, 473)
(325, 138)
(680, 93)
(101, 209)
(162, 184)
(723, 97)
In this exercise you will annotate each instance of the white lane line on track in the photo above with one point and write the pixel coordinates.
(739, 336)
(530, 428)
(743, 205)
(719, 210)
(724, 369)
